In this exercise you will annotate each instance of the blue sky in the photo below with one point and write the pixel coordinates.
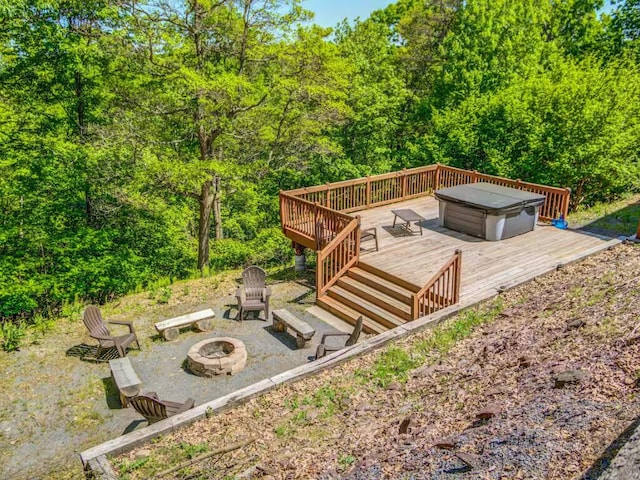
(330, 12)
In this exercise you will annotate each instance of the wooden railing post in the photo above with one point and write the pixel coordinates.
(518, 184)
(565, 206)
(458, 270)
(328, 198)
(403, 188)
(283, 210)
(475, 176)
(368, 191)
(436, 181)
(319, 273)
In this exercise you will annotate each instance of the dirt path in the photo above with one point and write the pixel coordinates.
(545, 380)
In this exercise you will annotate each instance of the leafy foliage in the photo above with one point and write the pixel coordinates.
(148, 140)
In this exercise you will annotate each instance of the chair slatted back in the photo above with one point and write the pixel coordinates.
(353, 338)
(254, 281)
(92, 319)
(150, 408)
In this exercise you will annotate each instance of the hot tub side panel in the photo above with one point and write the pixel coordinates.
(521, 222)
(462, 219)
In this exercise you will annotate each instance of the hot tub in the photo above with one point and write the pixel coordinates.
(488, 211)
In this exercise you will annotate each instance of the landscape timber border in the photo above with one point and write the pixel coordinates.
(96, 461)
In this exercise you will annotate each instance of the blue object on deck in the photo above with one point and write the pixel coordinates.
(560, 223)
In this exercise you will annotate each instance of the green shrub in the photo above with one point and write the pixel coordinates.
(12, 334)
(164, 295)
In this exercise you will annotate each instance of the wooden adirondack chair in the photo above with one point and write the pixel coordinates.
(253, 295)
(153, 409)
(97, 327)
(351, 338)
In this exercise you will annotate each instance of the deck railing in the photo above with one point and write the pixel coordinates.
(337, 256)
(441, 291)
(317, 217)
(368, 192)
(300, 205)
(310, 224)
(557, 199)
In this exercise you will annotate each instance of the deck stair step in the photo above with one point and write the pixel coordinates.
(365, 307)
(385, 275)
(350, 315)
(368, 275)
(376, 296)
(382, 299)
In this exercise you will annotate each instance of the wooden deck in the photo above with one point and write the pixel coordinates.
(486, 266)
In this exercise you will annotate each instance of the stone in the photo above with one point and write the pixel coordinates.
(142, 453)
(569, 377)
(404, 425)
(250, 472)
(365, 407)
(491, 410)
(468, 459)
(447, 443)
(577, 323)
(494, 391)
(394, 386)
(427, 370)
(525, 361)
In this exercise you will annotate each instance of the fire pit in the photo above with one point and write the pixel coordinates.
(217, 356)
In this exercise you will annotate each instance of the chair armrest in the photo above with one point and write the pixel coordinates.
(371, 230)
(239, 295)
(334, 334)
(188, 404)
(153, 395)
(123, 322)
(266, 293)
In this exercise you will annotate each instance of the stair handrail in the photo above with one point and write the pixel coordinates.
(454, 263)
(349, 240)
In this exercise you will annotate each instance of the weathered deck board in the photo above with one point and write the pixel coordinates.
(485, 265)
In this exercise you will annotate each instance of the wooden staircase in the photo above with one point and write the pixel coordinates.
(384, 301)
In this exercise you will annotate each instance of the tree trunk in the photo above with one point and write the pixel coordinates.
(206, 198)
(217, 219)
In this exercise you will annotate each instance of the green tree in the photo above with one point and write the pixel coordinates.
(377, 96)
(575, 125)
(207, 65)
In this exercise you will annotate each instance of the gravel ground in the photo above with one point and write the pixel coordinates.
(59, 405)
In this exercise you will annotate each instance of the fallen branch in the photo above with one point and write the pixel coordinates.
(204, 456)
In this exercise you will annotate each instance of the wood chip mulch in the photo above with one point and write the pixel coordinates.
(540, 392)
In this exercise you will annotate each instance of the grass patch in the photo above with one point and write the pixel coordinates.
(193, 450)
(127, 467)
(617, 218)
(283, 431)
(395, 363)
(345, 461)
(446, 336)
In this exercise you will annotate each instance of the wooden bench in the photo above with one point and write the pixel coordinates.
(202, 321)
(283, 319)
(125, 378)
